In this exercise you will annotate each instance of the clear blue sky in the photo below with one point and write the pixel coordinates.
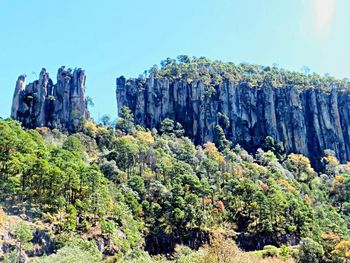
(109, 38)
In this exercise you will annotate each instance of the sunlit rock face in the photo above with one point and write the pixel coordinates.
(306, 121)
(45, 104)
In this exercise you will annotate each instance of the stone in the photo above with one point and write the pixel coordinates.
(45, 104)
(306, 121)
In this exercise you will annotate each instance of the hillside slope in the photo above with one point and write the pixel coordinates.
(125, 194)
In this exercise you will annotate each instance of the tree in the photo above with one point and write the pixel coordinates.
(301, 167)
(126, 120)
(167, 126)
(179, 130)
(11, 257)
(331, 163)
(89, 102)
(109, 169)
(223, 120)
(277, 148)
(105, 120)
(220, 139)
(126, 153)
(74, 145)
(310, 251)
(342, 250)
(23, 234)
(184, 59)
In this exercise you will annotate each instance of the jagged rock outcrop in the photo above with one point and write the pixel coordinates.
(45, 104)
(306, 121)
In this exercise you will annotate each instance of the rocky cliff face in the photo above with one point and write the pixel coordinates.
(43, 103)
(306, 121)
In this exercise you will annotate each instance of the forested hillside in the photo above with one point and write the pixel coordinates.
(135, 195)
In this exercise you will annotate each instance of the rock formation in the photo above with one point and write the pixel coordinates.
(43, 104)
(306, 121)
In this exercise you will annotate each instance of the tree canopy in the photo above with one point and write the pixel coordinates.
(144, 190)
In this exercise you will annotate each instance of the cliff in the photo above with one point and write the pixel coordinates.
(306, 120)
(43, 103)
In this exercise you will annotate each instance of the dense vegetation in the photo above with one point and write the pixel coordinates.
(212, 73)
(135, 195)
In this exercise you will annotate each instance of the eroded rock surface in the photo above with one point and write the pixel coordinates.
(306, 121)
(45, 104)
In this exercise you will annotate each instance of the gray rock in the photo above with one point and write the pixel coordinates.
(306, 121)
(43, 104)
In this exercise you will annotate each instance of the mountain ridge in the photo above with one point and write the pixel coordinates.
(307, 113)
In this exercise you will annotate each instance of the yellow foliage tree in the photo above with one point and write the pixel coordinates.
(301, 167)
(342, 250)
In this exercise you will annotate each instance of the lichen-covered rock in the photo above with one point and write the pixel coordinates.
(44, 104)
(306, 121)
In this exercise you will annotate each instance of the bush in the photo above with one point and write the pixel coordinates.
(270, 251)
(284, 252)
(184, 254)
(75, 242)
(69, 254)
(108, 227)
(310, 251)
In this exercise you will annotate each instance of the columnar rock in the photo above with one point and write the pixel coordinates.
(306, 121)
(42, 103)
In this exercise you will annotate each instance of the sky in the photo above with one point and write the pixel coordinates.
(110, 38)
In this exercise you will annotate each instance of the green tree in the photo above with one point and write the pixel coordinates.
(220, 138)
(277, 148)
(310, 251)
(126, 120)
(74, 145)
(23, 235)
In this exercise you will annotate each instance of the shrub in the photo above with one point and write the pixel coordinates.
(310, 251)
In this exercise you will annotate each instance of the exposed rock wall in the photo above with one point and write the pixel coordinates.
(42, 103)
(307, 121)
